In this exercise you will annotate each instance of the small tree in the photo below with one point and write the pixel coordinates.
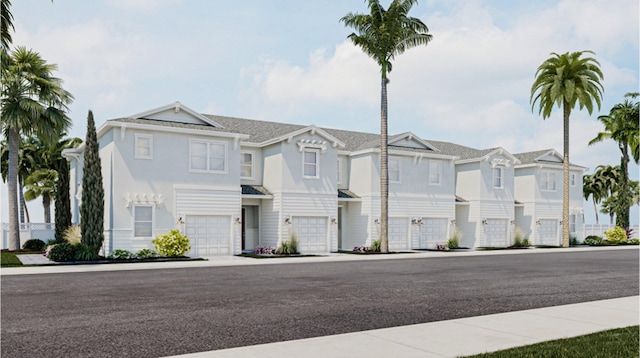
(63, 202)
(92, 207)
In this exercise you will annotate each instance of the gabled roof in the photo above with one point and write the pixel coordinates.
(410, 137)
(347, 194)
(176, 107)
(538, 157)
(468, 154)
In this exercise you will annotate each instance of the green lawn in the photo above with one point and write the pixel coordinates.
(618, 343)
(9, 259)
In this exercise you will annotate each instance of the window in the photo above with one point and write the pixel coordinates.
(310, 163)
(572, 223)
(339, 172)
(573, 179)
(246, 165)
(208, 156)
(142, 221)
(144, 146)
(548, 181)
(394, 170)
(498, 177)
(435, 172)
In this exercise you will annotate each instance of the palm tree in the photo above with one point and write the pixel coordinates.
(29, 161)
(621, 125)
(593, 188)
(33, 102)
(6, 23)
(565, 80)
(42, 183)
(384, 34)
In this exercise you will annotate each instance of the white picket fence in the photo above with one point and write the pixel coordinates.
(42, 231)
(593, 229)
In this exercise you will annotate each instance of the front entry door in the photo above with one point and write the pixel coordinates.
(243, 227)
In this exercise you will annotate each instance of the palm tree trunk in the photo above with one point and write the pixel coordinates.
(565, 181)
(595, 208)
(622, 217)
(24, 209)
(384, 170)
(46, 202)
(12, 183)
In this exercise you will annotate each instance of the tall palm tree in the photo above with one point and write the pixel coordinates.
(382, 35)
(29, 161)
(33, 102)
(565, 80)
(621, 125)
(42, 183)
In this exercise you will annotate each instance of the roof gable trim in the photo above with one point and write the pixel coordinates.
(176, 107)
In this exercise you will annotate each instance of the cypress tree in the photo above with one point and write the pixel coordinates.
(63, 203)
(92, 207)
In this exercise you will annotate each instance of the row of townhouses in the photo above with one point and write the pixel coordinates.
(233, 184)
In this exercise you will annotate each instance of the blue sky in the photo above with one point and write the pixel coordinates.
(290, 61)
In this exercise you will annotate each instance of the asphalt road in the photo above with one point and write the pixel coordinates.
(154, 313)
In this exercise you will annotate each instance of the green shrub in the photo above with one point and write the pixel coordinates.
(62, 252)
(122, 255)
(86, 253)
(593, 240)
(573, 240)
(519, 237)
(375, 245)
(288, 247)
(73, 235)
(172, 244)
(454, 240)
(525, 242)
(146, 253)
(34, 245)
(616, 235)
(634, 241)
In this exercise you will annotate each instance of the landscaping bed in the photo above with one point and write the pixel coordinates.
(274, 256)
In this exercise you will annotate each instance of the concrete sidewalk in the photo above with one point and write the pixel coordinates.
(459, 337)
(214, 261)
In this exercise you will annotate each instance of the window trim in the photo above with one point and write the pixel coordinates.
(501, 177)
(133, 221)
(137, 136)
(208, 143)
(399, 181)
(317, 163)
(253, 156)
(439, 166)
(544, 179)
(339, 171)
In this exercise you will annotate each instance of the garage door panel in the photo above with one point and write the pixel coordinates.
(496, 233)
(548, 232)
(398, 231)
(312, 233)
(209, 234)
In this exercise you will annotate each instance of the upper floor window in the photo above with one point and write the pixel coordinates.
(498, 179)
(339, 172)
(572, 179)
(207, 156)
(246, 165)
(435, 172)
(310, 163)
(144, 146)
(394, 169)
(142, 221)
(548, 181)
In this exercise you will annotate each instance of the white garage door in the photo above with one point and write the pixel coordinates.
(432, 232)
(496, 233)
(209, 234)
(312, 233)
(548, 232)
(398, 231)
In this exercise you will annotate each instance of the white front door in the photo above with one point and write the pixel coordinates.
(311, 232)
(548, 232)
(209, 234)
(433, 231)
(496, 233)
(398, 233)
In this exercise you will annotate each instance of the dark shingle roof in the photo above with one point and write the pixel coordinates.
(346, 194)
(460, 150)
(254, 190)
(530, 157)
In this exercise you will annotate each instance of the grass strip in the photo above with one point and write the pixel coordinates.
(619, 343)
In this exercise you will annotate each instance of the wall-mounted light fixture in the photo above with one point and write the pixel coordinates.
(453, 221)
(287, 220)
(484, 222)
(180, 220)
(376, 221)
(538, 222)
(334, 220)
(513, 222)
(237, 219)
